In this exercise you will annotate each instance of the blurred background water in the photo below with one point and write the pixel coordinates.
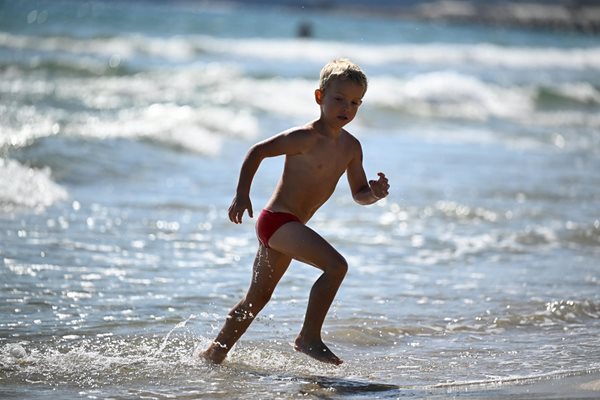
(122, 129)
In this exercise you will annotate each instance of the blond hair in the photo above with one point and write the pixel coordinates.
(344, 69)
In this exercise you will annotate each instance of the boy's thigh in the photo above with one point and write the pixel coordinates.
(302, 243)
(271, 261)
(269, 267)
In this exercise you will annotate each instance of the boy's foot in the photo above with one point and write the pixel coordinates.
(214, 354)
(317, 350)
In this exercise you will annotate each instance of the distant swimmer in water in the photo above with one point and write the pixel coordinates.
(316, 156)
(304, 30)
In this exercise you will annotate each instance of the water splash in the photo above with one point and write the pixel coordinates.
(166, 339)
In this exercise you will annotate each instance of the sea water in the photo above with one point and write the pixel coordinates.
(122, 130)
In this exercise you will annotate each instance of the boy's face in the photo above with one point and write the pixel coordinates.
(340, 101)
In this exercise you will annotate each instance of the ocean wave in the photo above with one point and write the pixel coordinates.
(24, 126)
(83, 67)
(441, 95)
(126, 46)
(365, 332)
(577, 94)
(27, 188)
(424, 54)
(188, 47)
(448, 94)
(181, 127)
(450, 247)
(582, 234)
(216, 92)
(558, 312)
(458, 96)
(167, 124)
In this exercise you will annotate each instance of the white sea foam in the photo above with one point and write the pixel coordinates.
(451, 246)
(24, 126)
(286, 97)
(431, 53)
(125, 46)
(194, 106)
(25, 187)
(188, 47)
(450, 94)
(190, 109)
(197, 130)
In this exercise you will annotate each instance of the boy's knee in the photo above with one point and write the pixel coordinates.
(339, 267)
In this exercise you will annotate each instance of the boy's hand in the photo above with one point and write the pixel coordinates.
(237, 208)
(380, 187)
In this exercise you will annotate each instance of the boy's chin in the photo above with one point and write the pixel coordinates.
(342, 121)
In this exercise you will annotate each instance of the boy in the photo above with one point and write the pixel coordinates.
(316, 156)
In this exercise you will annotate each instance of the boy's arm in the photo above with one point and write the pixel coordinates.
(365, 192)
(289, 142)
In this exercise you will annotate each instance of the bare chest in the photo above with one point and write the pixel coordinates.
(321, 162)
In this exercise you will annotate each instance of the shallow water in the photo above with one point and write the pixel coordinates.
(122, 130)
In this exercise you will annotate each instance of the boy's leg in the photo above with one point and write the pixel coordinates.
(269, 267)
(302, 243)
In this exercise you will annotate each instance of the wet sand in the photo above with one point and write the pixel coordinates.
(580, 386)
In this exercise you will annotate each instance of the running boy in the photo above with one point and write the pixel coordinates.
(316, 156)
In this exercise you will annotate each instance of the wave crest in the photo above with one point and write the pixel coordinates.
(27, 188)
(288, 50)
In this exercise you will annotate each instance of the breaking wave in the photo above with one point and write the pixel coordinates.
(27, 188)
(190, 46)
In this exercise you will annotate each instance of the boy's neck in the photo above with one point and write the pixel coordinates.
(326, 129)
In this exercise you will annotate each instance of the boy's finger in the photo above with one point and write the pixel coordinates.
(250, 213)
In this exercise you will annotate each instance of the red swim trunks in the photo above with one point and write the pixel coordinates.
(269, 221)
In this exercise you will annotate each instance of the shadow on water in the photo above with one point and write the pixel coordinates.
(350, 386)
(325, 387)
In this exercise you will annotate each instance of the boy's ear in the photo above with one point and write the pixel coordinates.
(318, 96)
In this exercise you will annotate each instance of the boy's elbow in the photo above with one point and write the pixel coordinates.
(363, 197)
(255, 153)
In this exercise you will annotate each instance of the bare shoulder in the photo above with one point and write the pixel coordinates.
(301, 138)
(305, 132)
(291, 141)
(308, 131)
